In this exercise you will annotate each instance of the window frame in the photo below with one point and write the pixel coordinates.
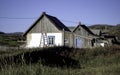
(51, 40)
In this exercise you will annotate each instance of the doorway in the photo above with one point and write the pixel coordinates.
(78, 42)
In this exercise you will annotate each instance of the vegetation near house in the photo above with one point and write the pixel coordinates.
(11, 39)
(61, 61)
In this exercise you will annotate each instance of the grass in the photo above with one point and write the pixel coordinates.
(61, 61)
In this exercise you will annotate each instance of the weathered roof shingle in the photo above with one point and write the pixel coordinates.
(58, 24)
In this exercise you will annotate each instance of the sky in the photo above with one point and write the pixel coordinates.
(19, 15)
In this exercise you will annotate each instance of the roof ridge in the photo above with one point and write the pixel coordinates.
(57, 23)
(85, 27)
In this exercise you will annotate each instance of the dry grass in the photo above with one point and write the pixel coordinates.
(54, 61)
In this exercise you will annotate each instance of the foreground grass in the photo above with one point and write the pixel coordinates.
(38, 69)
(98, 61)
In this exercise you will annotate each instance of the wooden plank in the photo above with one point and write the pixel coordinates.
(44, 25)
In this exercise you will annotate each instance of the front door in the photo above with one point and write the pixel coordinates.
(78, 42)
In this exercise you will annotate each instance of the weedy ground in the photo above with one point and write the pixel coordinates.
(61, 61)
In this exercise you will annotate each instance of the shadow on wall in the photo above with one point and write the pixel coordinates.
(58, 56)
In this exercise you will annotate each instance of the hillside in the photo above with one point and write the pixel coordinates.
(10, 39)
(110, 29)
(115, 31)
(71, 28)
(101, 26)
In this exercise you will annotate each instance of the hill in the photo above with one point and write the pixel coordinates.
(2, 32)
(71, 28)
(100, 26)
(10, 39)
(110, 29)
(115, 31)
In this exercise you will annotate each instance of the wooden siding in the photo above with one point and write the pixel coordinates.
(45, 26)
(68, 39)
(29, 37)
(81, 31)
(84, 36)
(87, 43)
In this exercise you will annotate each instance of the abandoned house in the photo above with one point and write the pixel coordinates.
(48, 31)
(83, 37)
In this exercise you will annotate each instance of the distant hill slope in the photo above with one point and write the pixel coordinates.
(110, 29)
(2, 32)
(101, 26)
(115, 31)
(10, 39)
(71, 28)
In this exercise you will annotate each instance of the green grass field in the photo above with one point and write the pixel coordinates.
(61, 61)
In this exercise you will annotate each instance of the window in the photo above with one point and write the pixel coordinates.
(51, 40)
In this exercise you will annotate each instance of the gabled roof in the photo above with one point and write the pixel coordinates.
(56, 22)
(84, 27)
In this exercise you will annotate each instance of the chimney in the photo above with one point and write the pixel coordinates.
(79, 23)
(44, 13)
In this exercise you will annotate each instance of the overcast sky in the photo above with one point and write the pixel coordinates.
(19, 15)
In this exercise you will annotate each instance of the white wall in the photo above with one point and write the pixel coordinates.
(58, 38)
(34, 39)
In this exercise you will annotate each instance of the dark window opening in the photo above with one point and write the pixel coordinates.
(51, 40)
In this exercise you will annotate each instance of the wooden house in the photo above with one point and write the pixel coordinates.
(48, 31)
(84, 37)
(89, 38)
